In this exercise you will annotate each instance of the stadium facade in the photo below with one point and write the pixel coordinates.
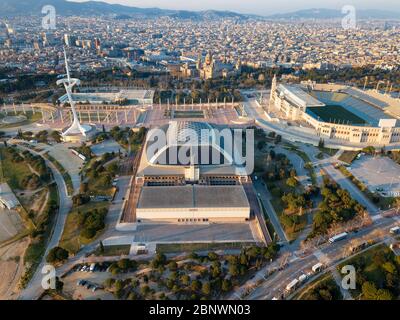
(339, 112)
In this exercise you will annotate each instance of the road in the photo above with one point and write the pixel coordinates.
(265, 197)
(298, 261)
(258, 212)
(34, 287)
(330, 254)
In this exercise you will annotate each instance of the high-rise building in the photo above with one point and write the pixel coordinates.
(69, 40)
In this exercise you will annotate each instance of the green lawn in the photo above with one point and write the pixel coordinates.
(348, 156)
(98, 187)
(322, 288)
(110, 251)
(13, 173)
(270, 227)
(335, 114)
(188, 247)
(71, 239)
(188, 114)
(329, 151)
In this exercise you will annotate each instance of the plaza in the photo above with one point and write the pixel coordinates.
(379, 174)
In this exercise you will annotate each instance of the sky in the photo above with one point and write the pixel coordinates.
(262, 7)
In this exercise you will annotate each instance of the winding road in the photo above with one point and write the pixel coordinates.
(34, 287)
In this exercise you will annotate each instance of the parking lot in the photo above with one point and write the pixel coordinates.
(379, 174)
(82, 284)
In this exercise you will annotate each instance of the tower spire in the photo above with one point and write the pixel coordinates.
(69, 83)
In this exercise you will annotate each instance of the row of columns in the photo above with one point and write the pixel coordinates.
(107, 118)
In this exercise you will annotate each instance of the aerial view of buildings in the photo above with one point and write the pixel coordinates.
(162, 154)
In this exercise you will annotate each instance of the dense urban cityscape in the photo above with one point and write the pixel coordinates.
(153, 154)
(167, 43)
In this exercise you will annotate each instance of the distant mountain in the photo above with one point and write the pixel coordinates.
(90, 8)
(98, 8)
(324, 14)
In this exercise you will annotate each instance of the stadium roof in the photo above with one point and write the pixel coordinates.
(193, 196)
(298, 96)
(196, 139)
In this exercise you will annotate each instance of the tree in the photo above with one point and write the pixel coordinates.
(57, 254)
(369, 291)
(172, 266)
(370, 150)
(59, 285)
(118, 285)
(109, 282)
(144, 290)
(159, 260)
(185, 279)
(123, 264)
(195, 285)
(132, 296)
(261, 144)
(234, 269)
(226, 285)
(212, 256)
(206, 289)
(56, 136)
(292, 182)
(84, 187)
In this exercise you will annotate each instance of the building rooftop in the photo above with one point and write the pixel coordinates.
(193, 196)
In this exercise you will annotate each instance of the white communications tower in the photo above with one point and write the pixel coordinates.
(69, 83)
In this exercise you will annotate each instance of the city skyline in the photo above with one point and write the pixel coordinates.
(259, 7)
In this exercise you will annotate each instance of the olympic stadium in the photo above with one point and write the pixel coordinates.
(339, 112)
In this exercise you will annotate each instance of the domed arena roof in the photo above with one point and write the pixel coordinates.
(196, 141)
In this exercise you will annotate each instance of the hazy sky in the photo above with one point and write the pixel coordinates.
(263, 7)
